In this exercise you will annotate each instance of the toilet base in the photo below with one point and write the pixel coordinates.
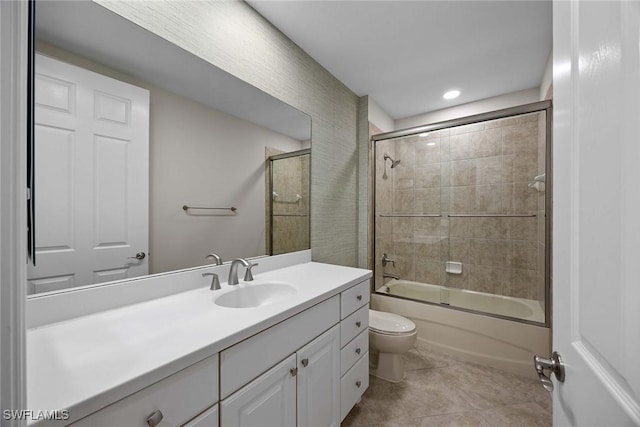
(390, 367)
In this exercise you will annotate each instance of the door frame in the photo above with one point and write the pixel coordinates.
(14, 30)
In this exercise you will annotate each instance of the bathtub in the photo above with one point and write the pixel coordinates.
(500, 343)
(500, 305)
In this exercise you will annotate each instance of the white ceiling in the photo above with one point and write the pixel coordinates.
(406, 54)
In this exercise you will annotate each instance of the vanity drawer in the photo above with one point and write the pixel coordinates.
(353, 325)
(178, 397)
(354, 298)
(208, 418)
(353, 351)
(353, 385)
(241, 363)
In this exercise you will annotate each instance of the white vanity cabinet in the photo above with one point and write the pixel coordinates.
(302, 390)
(309, 343)
(172, 401)
(269, 400)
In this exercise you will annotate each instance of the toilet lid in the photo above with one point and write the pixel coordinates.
(389, 323)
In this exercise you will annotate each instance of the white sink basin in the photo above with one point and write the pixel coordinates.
(255, 295)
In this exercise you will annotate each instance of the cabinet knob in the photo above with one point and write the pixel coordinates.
(359, 297)
(358, 350)
(358, 383)
(154, 419)
(358, 323)
(294, 371)
(305, 362)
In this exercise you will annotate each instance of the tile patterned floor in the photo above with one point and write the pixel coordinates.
(441, 391)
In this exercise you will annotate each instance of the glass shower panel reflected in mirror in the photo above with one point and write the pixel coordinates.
(288, 193)
(460, 216)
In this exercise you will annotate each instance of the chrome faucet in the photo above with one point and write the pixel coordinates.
(215, 281)
(386, 260)
(233, 271)
(215, 257)
(390, 276)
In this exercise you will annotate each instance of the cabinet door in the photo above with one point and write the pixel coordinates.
(319, 381)
(267, 401)
(208, 418)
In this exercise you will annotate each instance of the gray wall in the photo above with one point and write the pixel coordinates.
(234, 37)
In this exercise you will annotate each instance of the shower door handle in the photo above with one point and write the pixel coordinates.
(555, 365)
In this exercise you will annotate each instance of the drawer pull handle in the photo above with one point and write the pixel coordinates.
(294, 371)
(359, 297)
(305, 362)
(358, 350)
(358, 323)
(358, 383)
(155, 418)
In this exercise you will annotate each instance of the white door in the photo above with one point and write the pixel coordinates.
(267, 401)
(596, 219)
(319, 381)
(91, 176)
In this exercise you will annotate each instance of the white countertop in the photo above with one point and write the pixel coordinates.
(86, 363)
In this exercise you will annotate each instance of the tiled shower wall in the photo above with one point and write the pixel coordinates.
(477, 169)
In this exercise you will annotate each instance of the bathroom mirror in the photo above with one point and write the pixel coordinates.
(147, 157)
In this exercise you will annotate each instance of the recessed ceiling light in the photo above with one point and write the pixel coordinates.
(451, 94)
(422, 135)
(431, 144)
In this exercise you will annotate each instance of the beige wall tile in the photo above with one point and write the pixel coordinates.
(427, 227)
(427, 176)
(486, 143)
(427, 248)
(428, 150)
(462, 199)
(520, 139)
(404, 268)
(523, 228)
(462, 172)
(428, 270)
(403, 201)
(459, 227)
(489, 170)
(486, 279)
(521, 283)
(488, 198)
(522, 254)
(488, 228)
(488, 252)
(406, 152)
(458, 250)
(402, 228)
(460, 147)
(460, 281)
(427, 200)
(525, 199)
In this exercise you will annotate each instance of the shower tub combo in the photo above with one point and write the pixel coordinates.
(462, 228)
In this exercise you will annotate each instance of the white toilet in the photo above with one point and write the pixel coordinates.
(391, 336)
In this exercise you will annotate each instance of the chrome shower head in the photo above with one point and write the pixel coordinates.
(394, 163)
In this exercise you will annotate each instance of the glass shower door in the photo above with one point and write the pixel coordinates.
(289, 202)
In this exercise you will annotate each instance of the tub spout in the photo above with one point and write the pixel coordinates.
(390, 276)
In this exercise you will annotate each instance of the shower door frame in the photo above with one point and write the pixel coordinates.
(533, 107)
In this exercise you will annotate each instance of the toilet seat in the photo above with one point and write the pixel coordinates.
(390, 324)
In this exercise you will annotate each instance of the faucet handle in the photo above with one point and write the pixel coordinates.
(215, 281)
(248, 276)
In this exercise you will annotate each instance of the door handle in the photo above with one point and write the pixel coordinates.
(555, 365)
(139, 256)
